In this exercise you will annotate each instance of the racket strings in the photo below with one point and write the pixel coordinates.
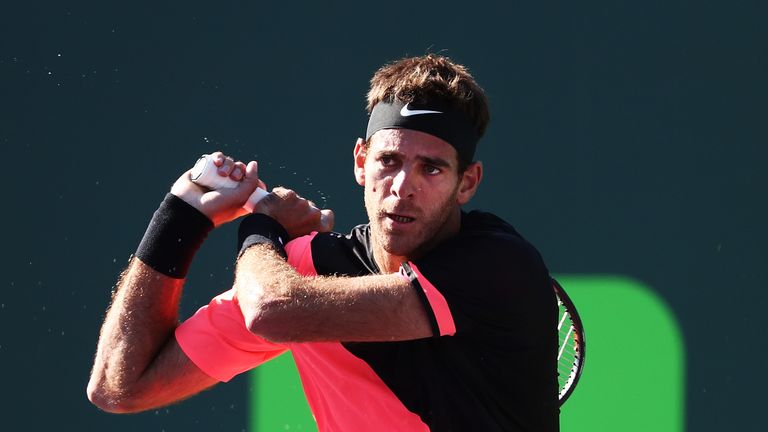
(571, 346)
(564, 316)
(568, 356)
(565, 342)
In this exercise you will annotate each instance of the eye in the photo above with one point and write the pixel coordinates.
(387, 160)
(432, 170)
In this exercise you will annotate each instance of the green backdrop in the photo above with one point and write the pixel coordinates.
(627, 142)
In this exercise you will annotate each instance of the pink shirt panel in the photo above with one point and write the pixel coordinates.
(217, 340)
(345, 394)
(437, 302)
(343, 391)
(299, 252)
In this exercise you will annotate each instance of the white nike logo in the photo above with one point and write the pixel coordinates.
(406, 112)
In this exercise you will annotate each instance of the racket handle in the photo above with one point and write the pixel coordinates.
(205, 174)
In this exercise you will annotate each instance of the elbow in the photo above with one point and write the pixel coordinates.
(271, 308)
(108, 400)
(103, 400)
(271, 321)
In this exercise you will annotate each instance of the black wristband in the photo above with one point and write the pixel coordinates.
(258, 228)
(174, 234)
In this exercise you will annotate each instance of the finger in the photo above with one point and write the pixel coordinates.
(250, 179)
(218, 158)
(285, 194)
(252, 169)
(327, 219)
(226, 169)
(238, 171)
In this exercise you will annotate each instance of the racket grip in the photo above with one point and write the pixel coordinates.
(205, 174)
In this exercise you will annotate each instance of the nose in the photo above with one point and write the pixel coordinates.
(403, 185)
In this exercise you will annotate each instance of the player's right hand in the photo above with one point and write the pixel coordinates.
(224, 205)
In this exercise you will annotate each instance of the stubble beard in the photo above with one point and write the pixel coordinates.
(409, 246)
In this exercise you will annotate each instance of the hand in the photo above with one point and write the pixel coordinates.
(224, 205)
(297, 215)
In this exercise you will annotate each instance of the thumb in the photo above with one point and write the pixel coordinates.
(326, 219)
(251, 179)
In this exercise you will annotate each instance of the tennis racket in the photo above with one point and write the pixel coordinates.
(205, 174)
(572, 344)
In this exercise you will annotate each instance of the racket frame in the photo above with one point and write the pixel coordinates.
(577, 328)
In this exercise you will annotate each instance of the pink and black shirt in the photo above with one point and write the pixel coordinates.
(490, 365)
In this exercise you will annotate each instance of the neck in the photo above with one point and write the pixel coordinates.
(390, 263)
(387, 262)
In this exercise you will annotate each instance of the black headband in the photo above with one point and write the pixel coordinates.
(440, 120)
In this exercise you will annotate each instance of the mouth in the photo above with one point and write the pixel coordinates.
(399, 218)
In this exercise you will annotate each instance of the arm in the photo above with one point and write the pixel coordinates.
(139, 365)
(282, 306)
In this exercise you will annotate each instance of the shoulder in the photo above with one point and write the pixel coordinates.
(488, 238)
(488, 273)
(488, 255)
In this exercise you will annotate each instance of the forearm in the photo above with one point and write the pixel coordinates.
(137, 357)
(143, 316)
(283, 306)
(139, 364)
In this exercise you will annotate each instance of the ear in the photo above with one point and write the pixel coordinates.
(360, 152)
(470, 180)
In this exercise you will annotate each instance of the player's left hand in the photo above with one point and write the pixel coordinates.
(296, 214)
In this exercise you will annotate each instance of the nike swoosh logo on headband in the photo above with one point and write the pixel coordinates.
(407, 112)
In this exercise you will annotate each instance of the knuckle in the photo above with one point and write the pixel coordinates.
(315, 217)
(270, 199)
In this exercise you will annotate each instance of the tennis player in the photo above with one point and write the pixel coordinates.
(427, 318)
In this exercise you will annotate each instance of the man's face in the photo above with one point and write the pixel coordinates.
(413, 190)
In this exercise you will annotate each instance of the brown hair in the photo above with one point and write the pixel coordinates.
(415, 79)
